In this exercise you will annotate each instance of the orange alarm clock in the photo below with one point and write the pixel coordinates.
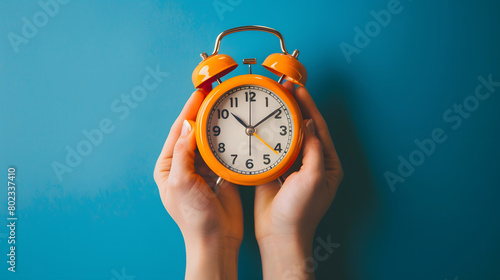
(249, 128)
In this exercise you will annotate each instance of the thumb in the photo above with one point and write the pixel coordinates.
(182, 171)
(312, 150)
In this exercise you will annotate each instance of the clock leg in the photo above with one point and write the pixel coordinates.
(218, 184)
(280, 181)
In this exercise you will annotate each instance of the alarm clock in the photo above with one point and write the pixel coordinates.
(249, 127)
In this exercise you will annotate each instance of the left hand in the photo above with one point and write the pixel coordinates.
(211, 224)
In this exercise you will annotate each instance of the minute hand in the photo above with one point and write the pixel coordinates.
(267, 117)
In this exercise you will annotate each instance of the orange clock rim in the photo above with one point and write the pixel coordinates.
(202, 138)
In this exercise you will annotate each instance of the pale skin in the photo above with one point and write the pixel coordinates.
(285, 218)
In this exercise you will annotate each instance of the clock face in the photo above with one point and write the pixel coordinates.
(250, 129)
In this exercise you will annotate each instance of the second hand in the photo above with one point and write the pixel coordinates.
(265, 143)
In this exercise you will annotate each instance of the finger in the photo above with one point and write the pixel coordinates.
(164, 162)
(182, 171)
(309, 109)
(189, 112)
(290, 87)
(312, 150)
(299, 186)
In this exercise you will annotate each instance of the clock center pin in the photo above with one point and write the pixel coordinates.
(249, 131)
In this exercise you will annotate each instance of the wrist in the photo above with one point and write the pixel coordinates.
(212, 258)
(287, 257)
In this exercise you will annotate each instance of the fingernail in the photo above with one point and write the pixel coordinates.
(186, 128)
(310, 126)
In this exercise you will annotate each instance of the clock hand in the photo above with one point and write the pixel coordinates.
(239, 120)
(268, 116)
(258, 137)
(250, 125)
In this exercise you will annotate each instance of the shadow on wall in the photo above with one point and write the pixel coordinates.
(356, 201)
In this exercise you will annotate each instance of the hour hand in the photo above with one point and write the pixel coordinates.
(240, 121)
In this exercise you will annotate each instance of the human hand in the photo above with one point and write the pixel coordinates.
(286, 218)
(211, 224)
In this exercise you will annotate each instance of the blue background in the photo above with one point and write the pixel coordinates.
(104, 220)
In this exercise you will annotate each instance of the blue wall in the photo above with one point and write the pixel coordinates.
(437, 217)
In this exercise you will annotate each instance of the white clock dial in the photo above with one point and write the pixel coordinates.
(250, 129)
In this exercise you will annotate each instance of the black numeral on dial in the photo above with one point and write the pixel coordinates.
(278, 115)
(222, 147)
(234, 101)
(278, 148)
(224, 113)
(283, 130)
(267, 160)
(249, 163)
(216, 130)
(251, 95)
